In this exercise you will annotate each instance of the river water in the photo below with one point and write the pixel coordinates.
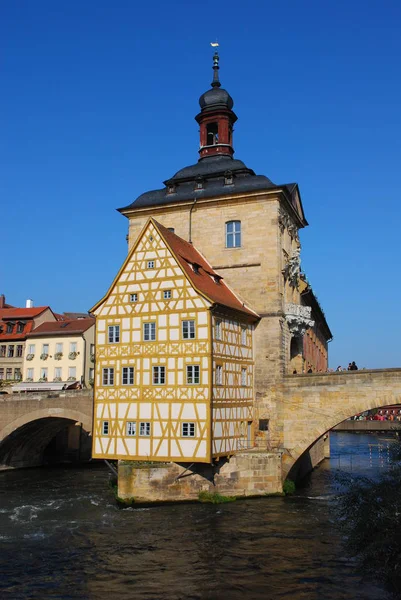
(62, 537)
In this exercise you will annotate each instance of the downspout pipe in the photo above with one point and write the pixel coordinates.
(190, 221)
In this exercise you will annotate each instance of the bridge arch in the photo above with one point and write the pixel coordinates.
(314, 404)
(24, 440)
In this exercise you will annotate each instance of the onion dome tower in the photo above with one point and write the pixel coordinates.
(216, 118)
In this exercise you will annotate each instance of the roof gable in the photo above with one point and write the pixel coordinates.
(191, 263)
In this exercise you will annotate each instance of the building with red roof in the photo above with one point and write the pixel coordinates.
(15, 326)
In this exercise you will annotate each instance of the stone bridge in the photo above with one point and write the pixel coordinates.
(312, 404)
(36, 428)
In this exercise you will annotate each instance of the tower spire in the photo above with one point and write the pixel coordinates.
(216, 80)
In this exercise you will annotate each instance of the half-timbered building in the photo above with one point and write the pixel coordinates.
(174, 357)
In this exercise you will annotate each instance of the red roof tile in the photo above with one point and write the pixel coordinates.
(203, 280)
(21, 313)
(63, 327)
(4, 336)
(16, 315)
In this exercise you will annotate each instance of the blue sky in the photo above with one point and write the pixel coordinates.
(98, 103)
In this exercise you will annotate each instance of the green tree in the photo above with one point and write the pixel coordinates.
(370, 518)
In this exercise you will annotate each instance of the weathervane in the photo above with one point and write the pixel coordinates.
(215, 82)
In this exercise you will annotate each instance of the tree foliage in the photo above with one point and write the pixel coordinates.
(370, 518)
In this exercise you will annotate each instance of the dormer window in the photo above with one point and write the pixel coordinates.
(216, 278)
(212, 133)
(20, 327)
(170, 188)
(195, 268)
(228, 178)
(199, 183)
(10, 327)
(171, 229)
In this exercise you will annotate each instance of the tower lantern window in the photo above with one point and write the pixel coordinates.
(212, 134)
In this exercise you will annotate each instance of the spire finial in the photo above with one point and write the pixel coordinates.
(216, 58)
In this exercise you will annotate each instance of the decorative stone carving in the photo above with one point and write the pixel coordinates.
(286, 222)
(298, 318)
(292, 269)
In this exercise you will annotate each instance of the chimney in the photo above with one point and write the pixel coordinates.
(2, 301)
(29, 303)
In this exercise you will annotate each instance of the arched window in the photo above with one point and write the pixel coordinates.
(233, 234)
(212, 131)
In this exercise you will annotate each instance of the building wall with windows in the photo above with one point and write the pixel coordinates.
(56, 358)
(154, 365)
(15, 325)
(254, 270)
(233, 391)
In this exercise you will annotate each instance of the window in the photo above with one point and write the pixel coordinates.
(29, 374)
(144, 429)
(3, 350)
(2, 374)
(19, 349)
(217, 329)
(114, 334)
(105, 428)
(233, 234)
(170, 190)
(131, 428)
(57, 373)
(228, 178)
(59, 348)
(92, 373)
(167, 294)
(199, 183)
(72, 372)
(133, 297)
(212, 134)
(20, 327)
(17, 374)
(243, 376)
(149, 332)
(151, 264)
(45, 349)
(219, 375)
(92, 348)
(159, 375)
(43, 373)
(10, 352)
(9, 373)
(171, 229)
(195, 268)
(31, 349)
(108, 376)
(188, 330)
(10, 327)
(128, 375)
(193, 374)
(243, 336)
(188, 430)
(73, 346)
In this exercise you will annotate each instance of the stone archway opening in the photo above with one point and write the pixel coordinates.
(296, 354)
(45, 441)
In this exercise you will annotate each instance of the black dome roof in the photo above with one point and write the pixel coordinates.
(216, 97)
